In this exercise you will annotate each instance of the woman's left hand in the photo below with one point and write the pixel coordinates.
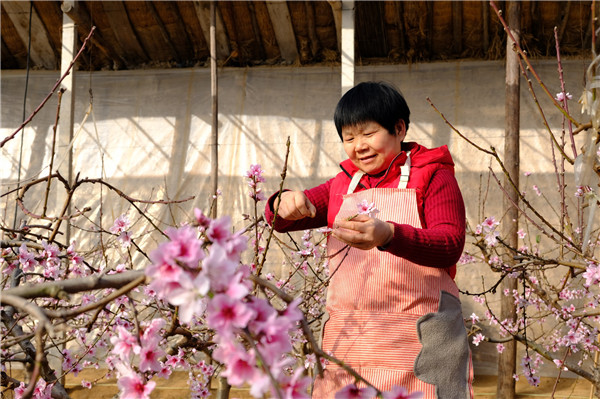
(363, 232)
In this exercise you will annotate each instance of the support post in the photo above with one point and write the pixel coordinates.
(66, 115)
(507, 359)
(347, 45)
(215, 105)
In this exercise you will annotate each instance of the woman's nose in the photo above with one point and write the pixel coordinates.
(361, 145)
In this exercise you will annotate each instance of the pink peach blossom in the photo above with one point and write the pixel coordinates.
(225, 313)
(219, 230)
(133, 386)
(120, 224)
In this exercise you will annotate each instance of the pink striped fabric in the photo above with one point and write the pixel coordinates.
(374, 301)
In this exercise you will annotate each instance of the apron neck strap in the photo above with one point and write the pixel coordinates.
(404, 176)
(355, 180)
(404, 172)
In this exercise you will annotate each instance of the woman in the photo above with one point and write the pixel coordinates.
(394, 313)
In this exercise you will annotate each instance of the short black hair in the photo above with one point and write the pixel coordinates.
(371, 102)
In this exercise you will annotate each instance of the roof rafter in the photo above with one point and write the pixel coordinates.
(84, 23)
(41, 49)
(203, 13)
(284, 31)
(124, 32)
(336, 8)
(164, 32)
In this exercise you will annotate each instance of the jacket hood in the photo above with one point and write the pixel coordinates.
(420, 156)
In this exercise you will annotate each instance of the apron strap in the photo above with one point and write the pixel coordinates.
(404, 176)
(355, 180)
(404, 172)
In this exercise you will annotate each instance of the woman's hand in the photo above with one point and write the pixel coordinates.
(364, 232)
(295, 205)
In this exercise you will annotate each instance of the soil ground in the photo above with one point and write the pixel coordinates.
(176, 388)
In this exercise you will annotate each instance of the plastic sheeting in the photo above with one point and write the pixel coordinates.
(149, 131)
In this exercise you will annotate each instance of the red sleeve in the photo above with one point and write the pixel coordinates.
(440, 243)
(319, 196)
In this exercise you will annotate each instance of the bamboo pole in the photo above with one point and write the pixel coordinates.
(507, 359)
(223, 387)
(215, 106)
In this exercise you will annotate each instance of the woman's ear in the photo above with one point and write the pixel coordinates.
(400, 129)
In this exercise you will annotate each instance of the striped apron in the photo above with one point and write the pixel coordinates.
(391, 320)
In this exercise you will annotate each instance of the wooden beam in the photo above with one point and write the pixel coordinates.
(256, 30)
(284, 31)
(8, 61)
(267, 34)
(124, 31)
(392, 34)
(84, 24)
(401, 28)
(563, 19)
(164, 32)
(485, 18)
(336, 8)
(41, 49)
(430, 28)
(457, 27)
(186, 15)
(203, 14)
(312, 30)
(231, 27)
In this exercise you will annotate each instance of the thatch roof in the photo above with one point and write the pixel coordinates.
(146, 34)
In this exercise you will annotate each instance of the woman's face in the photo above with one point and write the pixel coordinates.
(371, 147)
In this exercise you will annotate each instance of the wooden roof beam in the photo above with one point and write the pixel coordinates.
(336, 8)
(41, 49)
(203, 14)
(485, 22)
(164, 32)
(84, 23)
(124, 32)
(284, 31)
(457, 9)
(312, 30)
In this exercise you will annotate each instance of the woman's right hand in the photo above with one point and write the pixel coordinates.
(295, 205)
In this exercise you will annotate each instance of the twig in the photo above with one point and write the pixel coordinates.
(265, 366)
(529, 66)
(12, 136)
(271, 231)
(526, 202)
(494, 154)
(562, 87)
(52, 152)
(456, 130)
(39, 358)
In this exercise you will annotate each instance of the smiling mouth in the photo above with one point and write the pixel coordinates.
(368, 158)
